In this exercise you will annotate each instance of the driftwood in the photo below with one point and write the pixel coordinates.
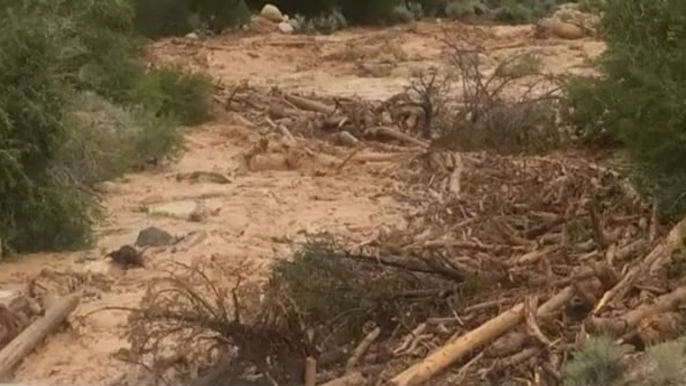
(361, 349)
(672, 242)
(620, 325)
(310, 371)
(27, 341)
(395, 134)
(460, 347)
(347, 139)
(309, 105)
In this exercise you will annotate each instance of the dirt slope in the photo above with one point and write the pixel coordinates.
(256, 217)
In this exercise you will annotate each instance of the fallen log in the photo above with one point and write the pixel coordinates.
(361, 349)
(623, 324)
(28, 339)
(476, 339)
(309, 105)
(672, 242)
(395, 134)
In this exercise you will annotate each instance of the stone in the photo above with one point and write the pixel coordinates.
(154, 237)
(286, 28)
(549, 27)
(192, 36)
(272, 13)
(182, 210)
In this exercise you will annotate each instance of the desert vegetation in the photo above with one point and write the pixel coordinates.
(519, 253)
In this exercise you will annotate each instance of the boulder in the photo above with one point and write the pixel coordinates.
(286, 28)
(154, 237)
(547, 28)
(271, 13)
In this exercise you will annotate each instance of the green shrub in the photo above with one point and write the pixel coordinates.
(72, 113)
(94, 125)
(667, 360)
(37, 209)
(171, 92)
(368, 12)
(597, 363)
(640, 99)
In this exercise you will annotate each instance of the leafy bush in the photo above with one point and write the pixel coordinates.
(72, 113)
(36, 209)
(640, 98)
(328, 288)
(173, 93)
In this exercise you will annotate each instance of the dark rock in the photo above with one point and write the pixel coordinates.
(154, 237)
(127, 256)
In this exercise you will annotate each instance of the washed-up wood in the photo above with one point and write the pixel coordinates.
(310, 371)
(623, 324)
(28, 340)
(382, 131)
(475, 340)
(309, 105)
(361, 349)
(673, 241)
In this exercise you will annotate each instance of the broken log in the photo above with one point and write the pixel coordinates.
(395, 134)
(672, 242)
(474, 340)
(361, 349)
(625, 323)
(310, 372)
(309, 105)
(28, 339)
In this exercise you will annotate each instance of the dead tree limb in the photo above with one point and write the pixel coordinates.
(361, 349)
(395, 134)
(309, 105)
(27, 341)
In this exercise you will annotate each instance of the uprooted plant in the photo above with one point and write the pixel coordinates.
(205, 315)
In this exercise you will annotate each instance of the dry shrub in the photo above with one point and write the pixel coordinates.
(513, 110)
(340, 293)
(206, 315)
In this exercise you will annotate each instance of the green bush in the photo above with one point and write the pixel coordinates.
(597, 363)
(171, 92)
(640, 99)
(37, 209)
(72, 113)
